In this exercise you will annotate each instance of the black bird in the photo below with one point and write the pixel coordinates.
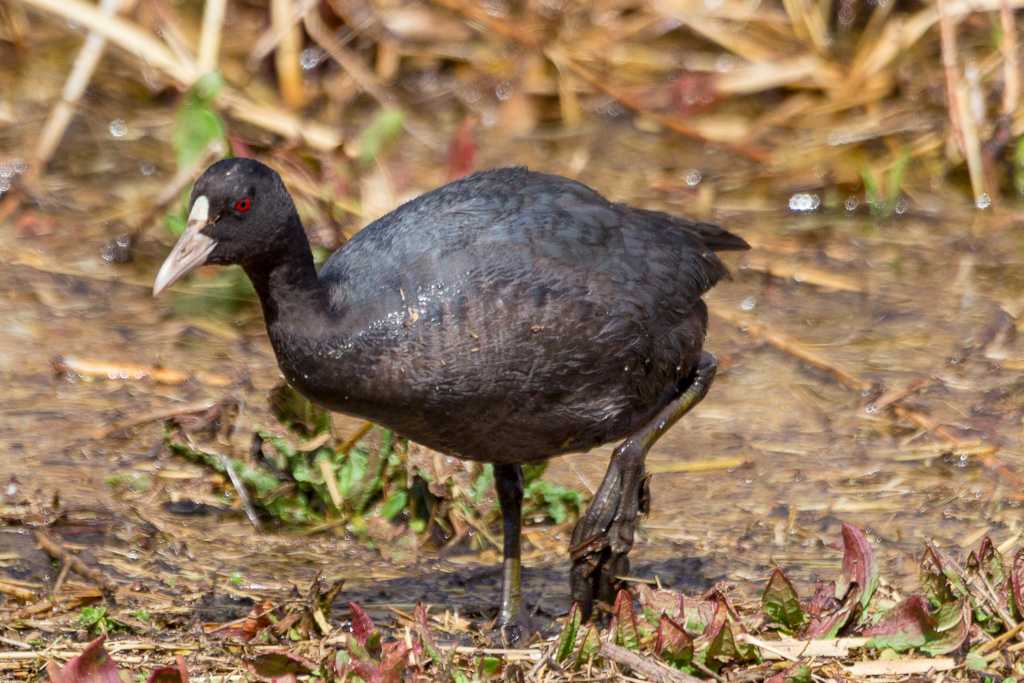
(506, 317)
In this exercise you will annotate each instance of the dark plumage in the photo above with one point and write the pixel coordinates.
(506, 317)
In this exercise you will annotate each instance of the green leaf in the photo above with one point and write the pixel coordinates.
(384, 128)
(394, 504)
(799, 673)
(567, 640)
(483, 484)
(589, 647)
(975, 661)
(490, 665)
(781, 603)
(351, 473)
(672, 643)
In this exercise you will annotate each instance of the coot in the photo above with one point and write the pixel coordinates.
(506, 317)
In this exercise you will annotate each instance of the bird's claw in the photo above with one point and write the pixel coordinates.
(602, 540)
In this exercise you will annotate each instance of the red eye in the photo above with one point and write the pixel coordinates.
(243, 204)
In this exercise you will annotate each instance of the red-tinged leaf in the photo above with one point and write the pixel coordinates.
(904, 627)
(94, 665)
(426, 638)
(827, 616)
(697, 614)
(673, 644)
(362, 624)
(722, 648)
(394, 661)
(798, 673)
(858, 565)
(952, 627)
(625, 628)
(941, 577)
(170, 674)
(567, 639)
(1017, 582)
(781, 603)
(462, 149)
(279, 665)
(246, 628)
(661, 601)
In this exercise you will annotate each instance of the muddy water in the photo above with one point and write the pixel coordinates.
(928, 304)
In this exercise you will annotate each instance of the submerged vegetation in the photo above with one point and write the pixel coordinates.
(302, 475)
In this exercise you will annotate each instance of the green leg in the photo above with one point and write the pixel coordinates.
(603, 537)
(512, 620)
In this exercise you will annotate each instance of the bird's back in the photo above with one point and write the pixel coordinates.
(514, 315)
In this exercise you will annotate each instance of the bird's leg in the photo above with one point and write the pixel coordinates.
(513, 620)
(604, 535)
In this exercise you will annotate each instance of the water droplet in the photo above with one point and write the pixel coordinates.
(725, 63)
(803, 202)
(901, 205)
(12, 489)
(748, 304)
(504, 90)
(984, 201)
(146, 168)
(118, 128)
(851, 203)
(311, 58)
(693, 177)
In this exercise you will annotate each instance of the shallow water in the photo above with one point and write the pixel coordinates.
(762, 473)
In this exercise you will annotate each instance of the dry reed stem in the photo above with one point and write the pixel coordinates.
(651, 669)
(971, 146)
(752, 152)
(131, 38)
(209, 38)
(367, 80)
(81, 73)
(1011, 61)
(902, 667)
(286, 56)
(950, 65)
(269, 40)
(124, 34)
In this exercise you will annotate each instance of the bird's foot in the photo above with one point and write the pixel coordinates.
(603, 537)
(515, 629)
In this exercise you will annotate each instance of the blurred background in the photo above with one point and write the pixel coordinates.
(871, 151)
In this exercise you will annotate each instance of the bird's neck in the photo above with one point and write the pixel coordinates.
(287, 285)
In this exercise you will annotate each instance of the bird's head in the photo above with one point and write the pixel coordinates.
(238, 213)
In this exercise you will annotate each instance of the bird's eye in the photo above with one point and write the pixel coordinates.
(243, 204)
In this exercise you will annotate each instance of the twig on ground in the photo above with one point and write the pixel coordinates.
(649, 668)
(243, 493)
(57, 552)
